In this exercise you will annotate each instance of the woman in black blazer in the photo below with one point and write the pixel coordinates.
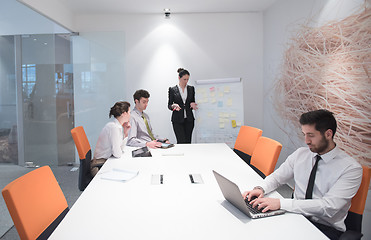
(182, 102)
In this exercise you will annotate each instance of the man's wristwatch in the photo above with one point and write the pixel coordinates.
(258, 187)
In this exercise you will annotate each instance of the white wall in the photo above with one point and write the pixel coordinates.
(208, 45)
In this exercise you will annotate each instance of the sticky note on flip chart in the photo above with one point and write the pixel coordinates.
(229, 102)
(202, 90)
(234, 124)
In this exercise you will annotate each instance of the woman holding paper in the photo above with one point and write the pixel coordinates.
(182, 102)
(112, 139)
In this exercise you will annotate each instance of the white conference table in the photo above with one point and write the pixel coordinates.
(176, 209)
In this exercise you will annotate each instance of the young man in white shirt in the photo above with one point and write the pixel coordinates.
(336, 177)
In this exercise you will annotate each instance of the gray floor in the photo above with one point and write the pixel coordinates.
(68, 182)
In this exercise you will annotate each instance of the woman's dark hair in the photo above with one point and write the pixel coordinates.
(119, 108)
(183, 72)
(321, 119)
(140, 94)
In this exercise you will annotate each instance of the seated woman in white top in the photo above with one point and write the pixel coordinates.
(112, 139)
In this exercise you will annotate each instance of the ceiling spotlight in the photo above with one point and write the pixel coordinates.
(167, 13)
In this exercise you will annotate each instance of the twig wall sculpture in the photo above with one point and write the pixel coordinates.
(329, 67)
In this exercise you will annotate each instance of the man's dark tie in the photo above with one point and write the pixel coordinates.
(309, 192)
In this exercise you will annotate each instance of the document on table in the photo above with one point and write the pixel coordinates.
(119, 174)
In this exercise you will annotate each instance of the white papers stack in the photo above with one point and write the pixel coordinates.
(119, 174)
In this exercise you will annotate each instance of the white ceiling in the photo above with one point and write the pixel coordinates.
(16, 17)
(157, 6)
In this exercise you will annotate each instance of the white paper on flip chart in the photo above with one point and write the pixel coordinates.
(119, 174)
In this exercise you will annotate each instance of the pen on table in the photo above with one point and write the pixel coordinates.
(161, 179)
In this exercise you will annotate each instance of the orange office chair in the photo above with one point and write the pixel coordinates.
(36, 203)
(353, 221)
(265, 156)
(84, 150)
(245, 143)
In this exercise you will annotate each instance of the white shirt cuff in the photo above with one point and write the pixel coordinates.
(286, 204)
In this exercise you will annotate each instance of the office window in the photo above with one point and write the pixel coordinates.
(28, 78)
(86, 81)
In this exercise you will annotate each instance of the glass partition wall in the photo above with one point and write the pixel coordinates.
(36, 103)
(8, 109)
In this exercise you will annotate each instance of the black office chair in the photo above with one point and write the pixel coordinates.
(353, 221)
(84, 150)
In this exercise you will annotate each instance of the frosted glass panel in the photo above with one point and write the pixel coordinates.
(99, 79)
(39, 104)
(47, 84)
(8, 110)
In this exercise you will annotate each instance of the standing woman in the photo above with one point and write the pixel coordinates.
(182, 102)
(112, 139)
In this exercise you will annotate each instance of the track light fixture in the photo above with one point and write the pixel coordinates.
(167, 13)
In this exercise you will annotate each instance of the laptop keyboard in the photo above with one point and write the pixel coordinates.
(251, 208)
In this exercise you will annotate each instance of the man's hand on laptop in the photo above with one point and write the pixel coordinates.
(153, 144)
(256, 192)
(266, 203)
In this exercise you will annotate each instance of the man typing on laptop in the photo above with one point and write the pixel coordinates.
(325, 177)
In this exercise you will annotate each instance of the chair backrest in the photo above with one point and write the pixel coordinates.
(246, 141)
(84, 150)
(36, 203)
(81, 141)
(354, 218)
(265, 155)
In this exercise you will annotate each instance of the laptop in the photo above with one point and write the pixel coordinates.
(233, 195)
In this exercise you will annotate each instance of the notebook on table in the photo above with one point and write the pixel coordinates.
(232, 194)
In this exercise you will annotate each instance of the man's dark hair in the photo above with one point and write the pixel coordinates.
(141, 93)
(321, 119)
